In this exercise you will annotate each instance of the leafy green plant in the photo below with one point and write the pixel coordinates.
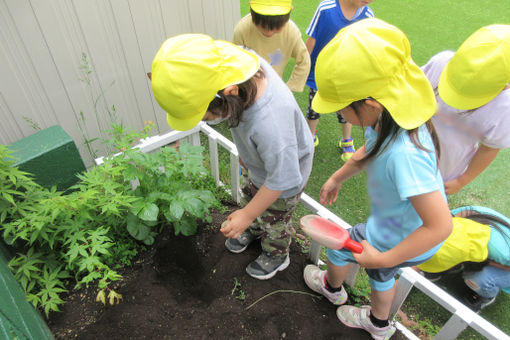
(83, 236)
(172, 186)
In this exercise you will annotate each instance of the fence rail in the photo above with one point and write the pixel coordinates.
(461, 318)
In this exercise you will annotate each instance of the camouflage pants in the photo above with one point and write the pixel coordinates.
(273, 225)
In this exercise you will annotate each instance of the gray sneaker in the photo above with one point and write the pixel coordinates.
(238, 245)
(266, 266)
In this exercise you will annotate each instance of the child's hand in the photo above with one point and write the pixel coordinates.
(453, 186)
(329, 191)
(370, 257)
(238, 222)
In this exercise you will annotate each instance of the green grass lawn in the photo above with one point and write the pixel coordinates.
(431, 26)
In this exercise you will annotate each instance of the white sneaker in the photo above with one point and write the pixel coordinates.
(357, 317)
(315, 279)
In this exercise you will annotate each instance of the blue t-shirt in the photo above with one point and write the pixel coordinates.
(401, 171)
(326, 22)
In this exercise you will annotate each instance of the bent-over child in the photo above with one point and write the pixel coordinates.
(196, 78)
(473, 95)
(480, 245)
(366, 72)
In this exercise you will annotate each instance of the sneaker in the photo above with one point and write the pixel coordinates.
(357, 317)
(315, 279)
(315, 139)
(476, 302)
(347, 146)
(266, 266)
(238, 245)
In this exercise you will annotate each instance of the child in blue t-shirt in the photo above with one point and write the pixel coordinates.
(366, 72)
(331, 16)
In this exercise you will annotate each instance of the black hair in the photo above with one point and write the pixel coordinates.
(269, 22)
(388, 130)
(233, 106)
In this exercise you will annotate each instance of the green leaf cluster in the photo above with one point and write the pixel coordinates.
(83, 236)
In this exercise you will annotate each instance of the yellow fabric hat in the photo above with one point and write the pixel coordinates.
(371, 58)
(479, 70)
(467, 242)
(190, 69)
(271, 7)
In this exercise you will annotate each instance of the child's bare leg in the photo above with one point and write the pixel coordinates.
(381, 302)
(336, 275)
(346, 131)
(312, 123)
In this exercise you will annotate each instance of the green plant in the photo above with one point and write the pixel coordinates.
(172, 186)
(59, 237)
(238, 291)
(82, 237)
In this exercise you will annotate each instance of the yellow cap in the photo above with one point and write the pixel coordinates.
(479, 70)
(467, 242)
(190, 69)
(271, 7)
(372, 58)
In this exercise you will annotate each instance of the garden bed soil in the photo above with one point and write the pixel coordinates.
(183, 288)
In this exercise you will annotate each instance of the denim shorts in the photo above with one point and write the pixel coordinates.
(381, 279)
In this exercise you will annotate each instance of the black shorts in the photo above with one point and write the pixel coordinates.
(312, 115)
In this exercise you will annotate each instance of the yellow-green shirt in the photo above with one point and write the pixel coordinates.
(277, 49)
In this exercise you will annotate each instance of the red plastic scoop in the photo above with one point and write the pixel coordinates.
(328, 233)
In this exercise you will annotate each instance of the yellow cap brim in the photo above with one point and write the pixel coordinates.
(324, 106)
(184, 124)
(270, 10)
(456, 100)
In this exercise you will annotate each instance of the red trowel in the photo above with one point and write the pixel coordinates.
(328, 233)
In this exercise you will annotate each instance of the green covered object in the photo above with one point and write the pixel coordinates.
(50, 155)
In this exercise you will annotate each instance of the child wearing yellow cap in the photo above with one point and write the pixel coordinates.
(269, 31)
(473, 95)
(331, 16)
(366, 72)
(480, 235)
(196, 78)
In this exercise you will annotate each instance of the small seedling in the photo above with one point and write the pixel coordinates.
(241, 295)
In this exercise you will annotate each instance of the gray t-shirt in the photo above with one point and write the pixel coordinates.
(274, 140)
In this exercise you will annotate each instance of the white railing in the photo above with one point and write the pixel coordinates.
(461, 318)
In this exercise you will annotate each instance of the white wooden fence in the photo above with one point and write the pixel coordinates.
(462, 317)
(44, 79)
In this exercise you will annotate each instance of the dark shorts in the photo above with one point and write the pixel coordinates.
(312, 115)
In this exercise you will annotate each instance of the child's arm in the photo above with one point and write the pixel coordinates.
(241, 219)
(300, 72)
(329, 191)
(437, 225)
(310, 44)
(480, 161)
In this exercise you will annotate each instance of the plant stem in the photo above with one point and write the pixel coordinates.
(282, 291)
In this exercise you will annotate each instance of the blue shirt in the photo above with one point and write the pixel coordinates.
(401, 171)
(326, 22)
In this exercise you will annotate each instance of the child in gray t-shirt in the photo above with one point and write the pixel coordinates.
(276, 148)
(197, 78)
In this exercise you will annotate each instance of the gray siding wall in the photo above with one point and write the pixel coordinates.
(80, 63)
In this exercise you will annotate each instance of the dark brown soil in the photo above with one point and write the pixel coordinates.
(183, 288)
